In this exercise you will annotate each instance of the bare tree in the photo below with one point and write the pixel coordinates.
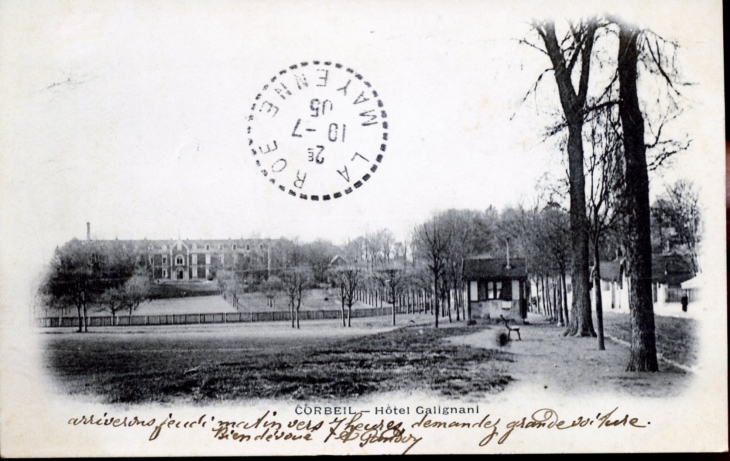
(433, 240)
(570, 57)
(392, 279)
(605, 184)
(472, 234)
(112, 301)
(638, 233)
(678, 210)
(136, 290)
(350, 280)
(553, 244)
(295, 281)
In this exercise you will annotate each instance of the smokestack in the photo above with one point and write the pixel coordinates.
(268, 260)
(88, 231)
(507, 253)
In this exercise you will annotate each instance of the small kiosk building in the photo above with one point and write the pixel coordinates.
(496, 287)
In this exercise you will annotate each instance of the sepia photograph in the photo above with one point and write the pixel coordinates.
(362, 227)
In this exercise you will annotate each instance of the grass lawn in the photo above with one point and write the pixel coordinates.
(314, 299)
(194, 305)
(317, 299)
(675, 337)
(209, 366)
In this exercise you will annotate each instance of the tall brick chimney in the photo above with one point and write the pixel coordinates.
(88, 231)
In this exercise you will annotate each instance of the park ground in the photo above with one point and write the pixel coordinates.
(201, 364)
(316, 299)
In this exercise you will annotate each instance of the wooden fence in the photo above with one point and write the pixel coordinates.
(196, 319)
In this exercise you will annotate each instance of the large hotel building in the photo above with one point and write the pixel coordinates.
(195, 259)
(185, 259)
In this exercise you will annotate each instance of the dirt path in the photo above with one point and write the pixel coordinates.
(572, 365)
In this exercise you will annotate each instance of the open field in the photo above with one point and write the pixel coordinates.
(323, 360)
(195, 305)
(676, 338)
(242, 362)
(317, 299)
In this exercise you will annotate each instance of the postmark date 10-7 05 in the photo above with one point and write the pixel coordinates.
(317, 130)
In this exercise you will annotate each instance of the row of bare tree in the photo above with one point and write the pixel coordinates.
(600, 67)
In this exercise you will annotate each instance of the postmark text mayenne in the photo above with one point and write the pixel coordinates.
(317, 130)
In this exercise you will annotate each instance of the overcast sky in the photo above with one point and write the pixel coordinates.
(131, 115)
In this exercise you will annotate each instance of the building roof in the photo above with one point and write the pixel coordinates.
(667, 269)
(480, 267)
(338, 261)
(164, 245)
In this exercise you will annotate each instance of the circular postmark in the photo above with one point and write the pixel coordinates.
(317, 130)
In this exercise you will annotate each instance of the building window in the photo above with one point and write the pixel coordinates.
(152, 259)
(261, 247)
(473, 291)
(164, 260)
(207, 260)
(234, 246)
(179, 260)
(248, 247)
(207, 247)
(164, 273)
(195, 259)
(220, 247)
(498, 290)
(482, 293)
(223, 258)
(490, 290)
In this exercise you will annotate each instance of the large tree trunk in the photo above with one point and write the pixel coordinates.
(573, 103)
(436, 300)
(548, 300)
(581, 321)
(86, 322)
(467, 303)
(81, 319)
(541, 294)
(638, 238)
(556, 303)
(565, 297)
(457, 306)
(343, 310)
(599, 298)
(559, 303)
(393, 294)
(448, 302)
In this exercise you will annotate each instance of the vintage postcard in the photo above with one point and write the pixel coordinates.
(361, 227)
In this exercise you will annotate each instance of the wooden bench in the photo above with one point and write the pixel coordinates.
(510, 329)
